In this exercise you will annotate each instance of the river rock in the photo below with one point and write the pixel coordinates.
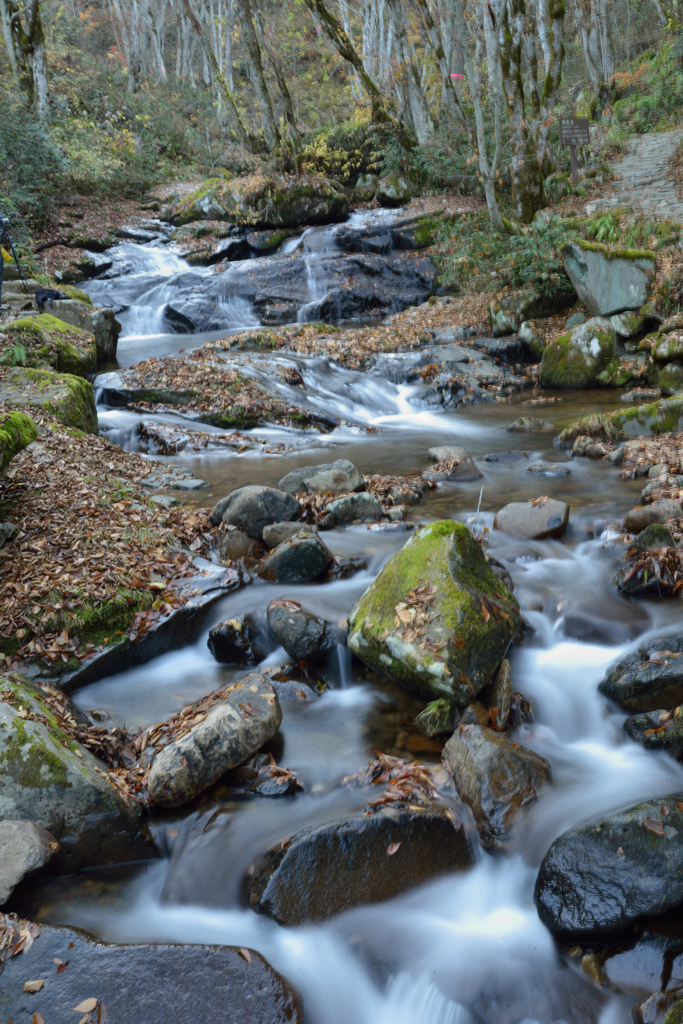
(601, 876)
(262, 242)
(234, 544)
(49, 341)
(252, 507)
(608, 282)
(440, 582)
(653, 538)
(100, 322)
(670, 379)
(144, 983)
(577, 358)
(279, 532)
(648, 678)
(48, 778)
(658, 730)
(302, 634)
(326, 869)
(439, 718)
(393, 190)
(234, 729)
(24, 848)
(495, 777)
(229, 250)
(525, 520)
(460, 464)
(239, 641)
(499, 693)
(551, 469)
(524, 425)
(638, 519)
(352, 507)
(337, 476)
(301, 558)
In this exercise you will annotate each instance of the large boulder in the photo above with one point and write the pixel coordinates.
(436, 620)
(495, 777)
(649, 678)
(252, 507)
(100, 322)
(302, 634)
(393, 190)
(326, 869)
(17, 431)
(339, 476)
(48, 778)
(24, 848)
(300, 559)
(600, 877)
(242, 718)
(533, 520)
(49, 342)
(265, 200)
(140, 983)
(609, 282)
(577, 358)
(68, 398)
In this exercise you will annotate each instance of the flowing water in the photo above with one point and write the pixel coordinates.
(467, 948)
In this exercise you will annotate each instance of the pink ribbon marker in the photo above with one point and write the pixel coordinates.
(453, 75)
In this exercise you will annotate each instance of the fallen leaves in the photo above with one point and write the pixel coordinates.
(653, 826)
(539, 502)
(245, 954)
(392, 848)
(34, 986)
(406, 783)
(16, 935)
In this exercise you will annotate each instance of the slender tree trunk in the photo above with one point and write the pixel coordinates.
(281, 81)
(450, 93)
(551, 86)
(39, 67)
(5, 16)
(419, 108)
(541, 11)
(663, 20)
(270, 129)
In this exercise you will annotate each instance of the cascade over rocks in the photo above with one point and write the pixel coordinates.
(252, 507)
(436, 620)
(235, 728)
(650, 678)
(601, 876)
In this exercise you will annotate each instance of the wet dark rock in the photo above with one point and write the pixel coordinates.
(352, 507)
(267, 241)
(658, 730)
(602, 876)
(237, 726)
(145, 983)
(475, 714)
(240, 641)
(343, 567)
(276, 533)
(302, 558)
(649, 678)
(654, 961)
(521, 711)
(548, 469)
(654, 537)
(468, 616)
(638, 519)
(24, 848)
(529, 425)
(604, 619)
(506, 457)
(302, 634)
(438, 719)
(528, 521)
(234, 544)
(252, 507)
(498, 695)
(339, 476)
(373, 239)
(229, 250)
(496, 778)
(327, 869)
(48, 778)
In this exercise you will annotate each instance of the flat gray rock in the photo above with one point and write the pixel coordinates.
(608, 284)
(351, 507)
(334, 477)
(253, 507)
(24, 847)
(552, 469)
(525, 520)
(453, 463)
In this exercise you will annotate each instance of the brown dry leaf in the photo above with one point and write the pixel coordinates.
(86, 1006)
(653, 826)
(245, 954)
(539, 502)
(62, 967)
(101, 1012)
(37, 1018)
(34, 986)
(485, 612)
(392, 848)
(679, 804)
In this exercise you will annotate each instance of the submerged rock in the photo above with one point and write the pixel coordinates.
(533, 520)
(353, 507)
(523, 425)
(48, 778)
(240, 641)
(302, 634)
(252, 507)
(337, 476)
(495, 777)
(137, 983)
(326, 869)
(442, 638)
(24, 848)
(601, 876)
(303, 557)
(649, 678)
(244, 717)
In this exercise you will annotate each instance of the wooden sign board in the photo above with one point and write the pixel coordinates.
(574, 131)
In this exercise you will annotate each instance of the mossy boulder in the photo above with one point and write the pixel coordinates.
(436, 620)
(49, 778)
(671, 379)
(16, 432)
(69, 399)
(393, 190)
(577, 358)
(646, 420)
(609, 281)
(46, 342)
(507, 314)
(265, 200)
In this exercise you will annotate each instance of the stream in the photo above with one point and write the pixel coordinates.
(467, 948)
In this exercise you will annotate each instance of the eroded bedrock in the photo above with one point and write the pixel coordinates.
(146, 983)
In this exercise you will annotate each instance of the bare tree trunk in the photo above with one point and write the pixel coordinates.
(29, 48)
(39, 65)
(551, 86)
(419, 108)
(541, 11)
(156, 20)
(5, 16)
(281, 81)
(270, 129)
(588, 16)
(663, 20)
(450, 93)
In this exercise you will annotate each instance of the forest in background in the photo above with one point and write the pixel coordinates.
(110, 97)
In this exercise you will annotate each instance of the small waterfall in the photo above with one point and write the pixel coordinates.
(316, 293)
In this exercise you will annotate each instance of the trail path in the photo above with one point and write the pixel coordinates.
(643, 178)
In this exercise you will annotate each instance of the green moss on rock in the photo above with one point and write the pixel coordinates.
(468, 629)
(17, 430)
(68, 398)
(577, 359)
